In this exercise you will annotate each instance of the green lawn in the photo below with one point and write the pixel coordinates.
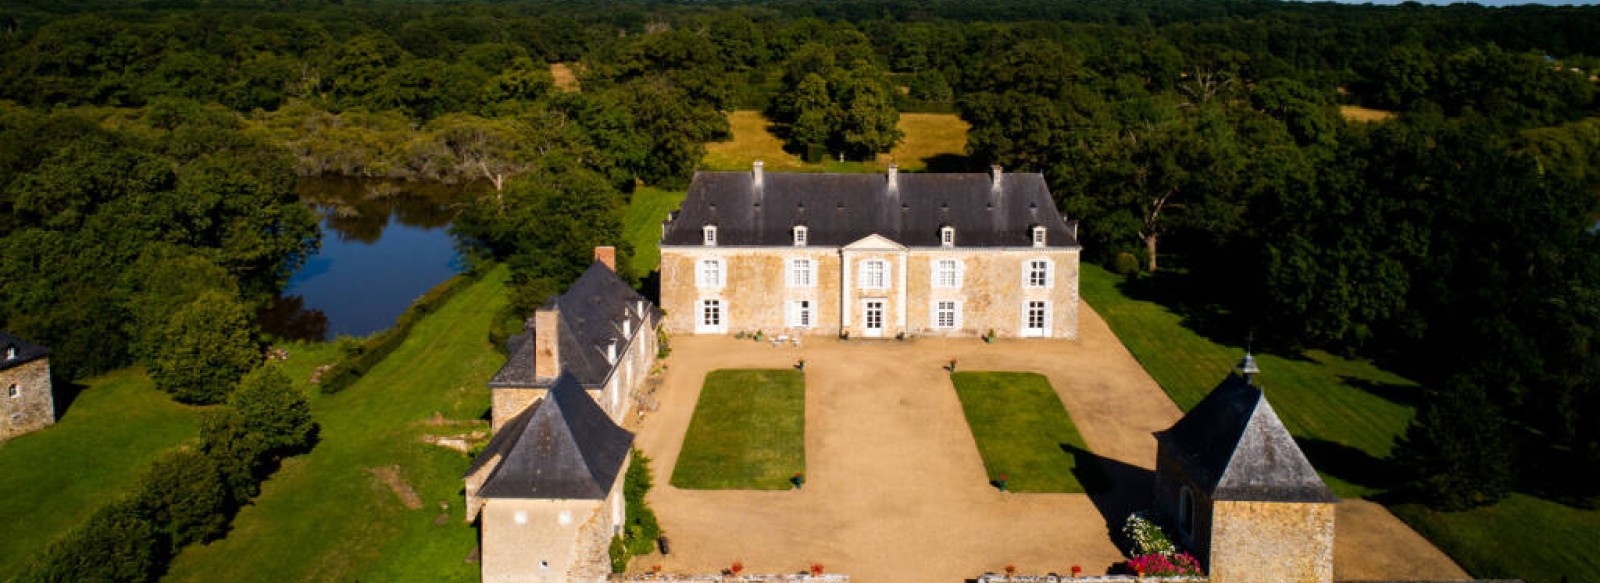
(748, 432)
(52, 480)
(323, 516)
(1023, 431)
(1346, 414)
(641, 226)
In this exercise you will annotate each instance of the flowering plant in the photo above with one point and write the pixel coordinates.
(1146, 537)
(1165, 565)
(816, 569)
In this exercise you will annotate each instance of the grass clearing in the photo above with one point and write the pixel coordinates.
(641, 226)
(1023, 431)
(940, 138)
(1346, 414)
(748, 432)
(566, 79)
(56, 477)
(324, 516)
(1358, 113)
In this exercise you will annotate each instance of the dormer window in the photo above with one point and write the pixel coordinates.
(710, 232)
(11, 353)
(1038, 236)
(800, 236)
(947, 236)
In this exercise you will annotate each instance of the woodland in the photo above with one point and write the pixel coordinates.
(148, 151)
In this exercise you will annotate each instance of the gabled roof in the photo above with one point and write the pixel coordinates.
(25, 351)
(564, 447)
(838, 209)
(590, 317)
(1234, 446)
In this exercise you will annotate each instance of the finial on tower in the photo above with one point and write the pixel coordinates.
(1248, 365)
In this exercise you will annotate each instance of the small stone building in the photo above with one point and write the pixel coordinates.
(27, 403)
(600, 332)
(1241, 494)
(870, 255)
(548, 489)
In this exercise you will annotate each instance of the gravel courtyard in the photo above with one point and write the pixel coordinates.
(895, 489)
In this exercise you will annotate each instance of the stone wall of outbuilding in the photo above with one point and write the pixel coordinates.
(34, 407)
(1271, 542)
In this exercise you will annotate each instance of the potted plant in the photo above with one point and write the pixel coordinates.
(799, 480)
(1011, 571)
(989, 337)
(736, 568)
(816, 569)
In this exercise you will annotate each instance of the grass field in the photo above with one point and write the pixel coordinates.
(324, 516)
(748, 432)
(54, 479)
(641, 226)
(1022, 430)
(1346, 413)
(1358, 113)
(928, 137)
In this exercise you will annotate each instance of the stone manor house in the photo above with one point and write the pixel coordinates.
(870, 255)
(27, 403)
(547, 489)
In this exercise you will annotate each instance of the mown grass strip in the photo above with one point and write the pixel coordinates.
(748, 432)
(1023, 431)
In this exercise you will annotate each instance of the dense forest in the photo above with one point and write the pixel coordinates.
(149, 148)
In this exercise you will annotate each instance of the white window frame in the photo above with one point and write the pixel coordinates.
(957, 273)
(704, 323)
(938, 309)
(802, 272)
(1028, 271)
(1038, 236)
(708, 235)
(1046, 316)
(801, 314)
(879, 280)
(947, 236)
(800, 236)
(717, 280)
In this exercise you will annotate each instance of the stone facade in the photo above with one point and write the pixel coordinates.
(758, 290)
(1271, 542)
(537, 540)
(27, 403)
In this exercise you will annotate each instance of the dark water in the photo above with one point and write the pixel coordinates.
(383, 245)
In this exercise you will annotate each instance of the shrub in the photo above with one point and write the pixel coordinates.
(641, 528)
(1158, 565)
(619, 555)
(118, 543)
(1145, 537)
(1125, 264)
(185, 496)
(275, 411)
(206, 346)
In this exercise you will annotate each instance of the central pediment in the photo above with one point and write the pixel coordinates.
(875, 242)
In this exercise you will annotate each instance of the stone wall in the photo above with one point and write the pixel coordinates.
(757, 293)
(529, 540)
(719, 578)
(508, 402)
(475, 482)
(1170, 481)
(34, 407)
(1272, 542)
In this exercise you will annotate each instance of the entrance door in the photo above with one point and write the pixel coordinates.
(1036, 320)
(874, 318)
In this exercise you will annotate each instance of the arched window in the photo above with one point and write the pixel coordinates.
(1186, 512)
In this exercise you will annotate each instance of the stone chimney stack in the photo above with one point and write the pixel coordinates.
(994, 172)
(894, 177)
(546, 342)
(607, 255)
(611, 351)
(757, 181)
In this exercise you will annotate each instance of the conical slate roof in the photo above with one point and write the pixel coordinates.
(564, 447)
(1234, 446)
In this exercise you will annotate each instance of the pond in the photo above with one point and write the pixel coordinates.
(384, 244)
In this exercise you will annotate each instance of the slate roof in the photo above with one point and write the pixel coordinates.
(564, 447)
(590, 317)
(1233, 445)
(26, 351)
(839, 209)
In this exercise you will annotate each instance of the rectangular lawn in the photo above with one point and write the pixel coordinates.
(748, 432)
(1022, 431)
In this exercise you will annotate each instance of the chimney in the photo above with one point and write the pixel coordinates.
(638, 308)
(756, 181)
(611, 351)
(627, 325)
(607, 255)
(546, 344)
(995, 172)
(894, 177)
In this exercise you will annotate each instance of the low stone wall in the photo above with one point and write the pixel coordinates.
(714, 578)
(993, 578)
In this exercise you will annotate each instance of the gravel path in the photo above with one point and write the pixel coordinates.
(895, 489)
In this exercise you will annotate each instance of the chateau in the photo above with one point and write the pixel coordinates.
(870, 255)
(27, 403)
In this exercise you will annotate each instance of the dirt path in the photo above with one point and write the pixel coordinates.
(895, 487)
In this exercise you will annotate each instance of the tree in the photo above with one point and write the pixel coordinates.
(1457, 451)
(185, 496)
(118, 543)
(273, 409)
(206, 346)
(240, 455)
